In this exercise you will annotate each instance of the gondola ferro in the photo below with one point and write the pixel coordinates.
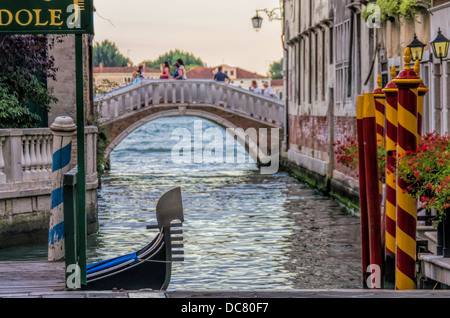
(150, 267)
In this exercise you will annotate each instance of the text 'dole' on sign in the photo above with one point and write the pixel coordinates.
(46, 16)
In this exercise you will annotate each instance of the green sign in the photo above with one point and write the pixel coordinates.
(46, 16)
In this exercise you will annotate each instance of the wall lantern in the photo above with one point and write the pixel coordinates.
(440, 46)
(257, 22)
(416, 49)
(274, 14)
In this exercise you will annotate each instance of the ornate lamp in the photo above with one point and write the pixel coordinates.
(272, 15)
(440, 45)
(257, 22)
(416, 49)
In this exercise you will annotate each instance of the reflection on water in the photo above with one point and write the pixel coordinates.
(242, 230)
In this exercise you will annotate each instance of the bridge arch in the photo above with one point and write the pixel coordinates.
(250, 145)
(124, 110)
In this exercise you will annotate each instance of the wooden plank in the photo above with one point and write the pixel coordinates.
(26, 277)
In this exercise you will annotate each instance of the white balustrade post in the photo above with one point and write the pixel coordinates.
(2, 161)
(63, 129)
(26, 161)
(39, 163)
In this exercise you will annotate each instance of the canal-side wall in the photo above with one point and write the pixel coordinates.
(25, 184)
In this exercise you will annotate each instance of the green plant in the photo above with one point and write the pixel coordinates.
(346, 150)
(410, 8)
(108, 54)
(15, 94)
(25, 66)
(189, 59)
(102, 144)
(407, 9)
(105, 86)
(427, 171)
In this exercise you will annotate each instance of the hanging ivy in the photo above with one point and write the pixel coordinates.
(408, 9)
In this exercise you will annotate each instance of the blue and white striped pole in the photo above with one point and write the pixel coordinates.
(63, 130)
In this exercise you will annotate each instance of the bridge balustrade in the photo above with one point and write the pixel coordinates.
(160, 93)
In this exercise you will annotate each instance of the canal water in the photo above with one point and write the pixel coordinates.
(242, 230)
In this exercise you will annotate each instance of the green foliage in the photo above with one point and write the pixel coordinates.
(410, 8)
(105, 87)
(276, 70)
(407, 9)
(15, 94)
(102, 144)
(189, 59)
(25, 65)
(108, 54)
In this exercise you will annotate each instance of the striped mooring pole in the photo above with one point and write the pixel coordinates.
(407, 82)
(372, 185)
(380, 111)
(63, 129)
(365, 248)
(391, 92)
(423, 90)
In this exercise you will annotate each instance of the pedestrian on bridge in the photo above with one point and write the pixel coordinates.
(180, 61)
(254, 88)
(221, 76)
(137, 77)
(268, 91)
(178, 72)
(141, 71)
(165, 68)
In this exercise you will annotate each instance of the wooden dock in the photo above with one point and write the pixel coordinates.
(46, 280)
(24, 278)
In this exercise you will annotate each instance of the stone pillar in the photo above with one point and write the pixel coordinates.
(63, 129)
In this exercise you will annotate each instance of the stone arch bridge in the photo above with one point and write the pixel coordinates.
(125, 109)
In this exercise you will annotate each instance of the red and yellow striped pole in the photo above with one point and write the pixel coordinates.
(391, 92)
(365, 248)
(372, 182)
(423, 90)
(380, 111)
(380, 114)
(407, 82)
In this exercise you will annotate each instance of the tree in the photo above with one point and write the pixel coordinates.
(276, 70)
(188, 58)
(25, 67)
(108, 54)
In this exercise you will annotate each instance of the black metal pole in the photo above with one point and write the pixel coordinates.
(81, 182)
(446, 236)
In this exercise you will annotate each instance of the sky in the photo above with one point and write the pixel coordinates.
(217, 31)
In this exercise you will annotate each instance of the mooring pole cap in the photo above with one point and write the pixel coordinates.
(63, 123)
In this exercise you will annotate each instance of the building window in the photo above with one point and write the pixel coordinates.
(316, 65)
(331, 45)
(323, 64)
(310, 93)
(298, 53)
(231, 73)
(342, 55)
